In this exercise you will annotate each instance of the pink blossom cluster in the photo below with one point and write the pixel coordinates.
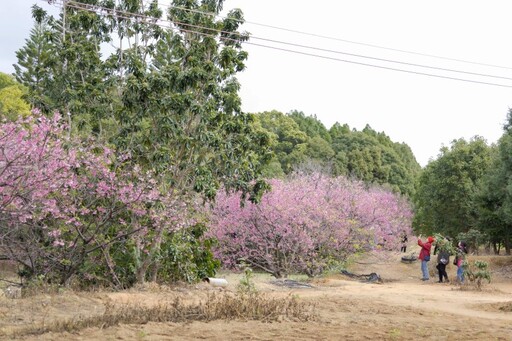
(307, 222)
(64, 203)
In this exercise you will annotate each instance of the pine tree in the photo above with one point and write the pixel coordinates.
(36, 61)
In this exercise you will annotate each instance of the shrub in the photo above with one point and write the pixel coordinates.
(475, 273)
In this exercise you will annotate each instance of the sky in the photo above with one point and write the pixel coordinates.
(350, 60)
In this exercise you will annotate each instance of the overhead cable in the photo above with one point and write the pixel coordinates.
(341, 40)
(311, 47)
(70, 3)
(130, 16)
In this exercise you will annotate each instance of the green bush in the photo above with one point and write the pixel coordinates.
(477, 272)
(186, 256)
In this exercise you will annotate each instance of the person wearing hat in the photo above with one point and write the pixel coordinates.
(425, 256)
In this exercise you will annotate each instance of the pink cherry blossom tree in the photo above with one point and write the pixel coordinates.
(67, 208)
(306, 223)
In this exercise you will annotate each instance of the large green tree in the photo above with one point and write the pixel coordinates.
(181, 109)
(61, 65)
(310, 125)
(170, 90)
(302, 142)
(374, 158)
(288, 142)
(446, 196)
(495, 195)
(36, 61)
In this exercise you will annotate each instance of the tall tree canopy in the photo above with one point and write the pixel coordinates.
(494, 199)
(374, 158)
(288, 141)
(300, 140)
(168, 94)
(310, 125)
(445, 200)
(61, 65)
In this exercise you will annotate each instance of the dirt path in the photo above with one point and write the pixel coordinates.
(401, 308)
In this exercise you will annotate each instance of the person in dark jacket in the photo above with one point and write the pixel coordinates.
(425, 256)
(443, 259)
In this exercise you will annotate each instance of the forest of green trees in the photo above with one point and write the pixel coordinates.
(166, 101)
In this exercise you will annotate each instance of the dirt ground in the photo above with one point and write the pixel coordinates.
(402, 307)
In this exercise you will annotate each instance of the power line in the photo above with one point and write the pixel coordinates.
(316, 48)
(384, 67)
(131, 16)
(316, 35)
(382, 47)
(382, 59)
(342, 40)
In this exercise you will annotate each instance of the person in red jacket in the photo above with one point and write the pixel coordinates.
(425, 256)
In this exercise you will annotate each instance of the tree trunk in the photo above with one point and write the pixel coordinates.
(154, 272)
(496, 248)
(154, 248)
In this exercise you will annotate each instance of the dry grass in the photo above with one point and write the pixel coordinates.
(494, 261)
(219, 306)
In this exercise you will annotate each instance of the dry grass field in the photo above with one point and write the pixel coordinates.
(333, 307)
